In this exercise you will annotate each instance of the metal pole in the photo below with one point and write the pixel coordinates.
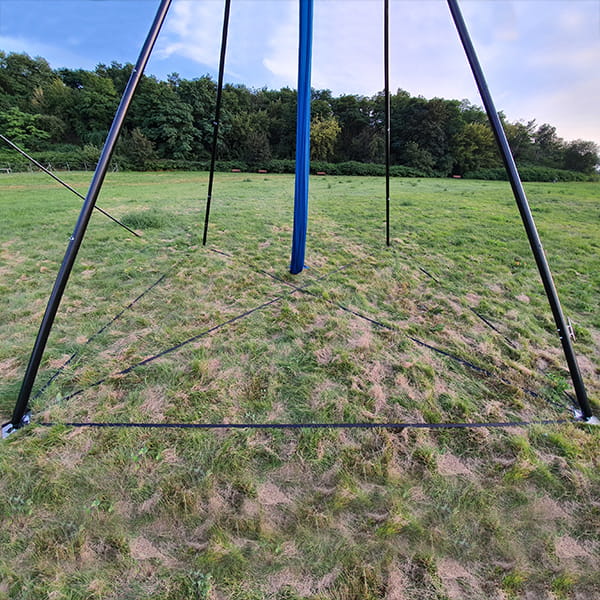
(386, 68)
(213, 158)
(19, 413)
(302, 138)
(56, 178)
(526, 216)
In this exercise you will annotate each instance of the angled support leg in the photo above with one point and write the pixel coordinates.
(585, 412)
(20, 415)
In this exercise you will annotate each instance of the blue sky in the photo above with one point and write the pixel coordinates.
(541, 57)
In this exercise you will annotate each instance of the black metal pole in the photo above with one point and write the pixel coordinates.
(84, 217)
(388, 112)
(65, 184)
(213, 158)
(526, 216)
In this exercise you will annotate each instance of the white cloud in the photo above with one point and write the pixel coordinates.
(192, 30)
(348, 47)
(281, 52)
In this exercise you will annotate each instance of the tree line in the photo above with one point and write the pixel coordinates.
(67, 112)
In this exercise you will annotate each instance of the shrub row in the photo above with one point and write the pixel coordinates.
(84, 159)
(71, 160)
(531, 174)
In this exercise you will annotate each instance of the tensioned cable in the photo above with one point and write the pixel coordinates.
(445, 353)
(81, 226)
(102, 329)
(416, 340)
(492, 326)
(342, 425)
(429, 274)
(479, 315)
(294, 289)
(198, 336)
(367, 425)
(65, 184)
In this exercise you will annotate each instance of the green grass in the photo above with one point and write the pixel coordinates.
(340, 514)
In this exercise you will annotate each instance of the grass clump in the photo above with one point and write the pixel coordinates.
(146, 219)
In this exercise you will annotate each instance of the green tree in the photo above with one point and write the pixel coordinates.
(323, 136)
(19, 76)
(548, 148)
(354, 116)
(475, 148)
(320, 106)
(136, 149)
(163, 118)
(255, 149)
(520, 139)
(200, 96)
(23, 128)
(119, 74)
(94, 103)
(56, 103)
(471, 113)
(581, 156)
(419, 158)
(280, 107)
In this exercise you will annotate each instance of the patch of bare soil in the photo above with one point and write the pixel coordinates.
(154, 402)
(547, 509)
(379, 397)
(150, 504)
(270, 495)
(588, 368)
(143, 549)
(324, 355)
(362, 336)
(9, 367)
(567, 548)
(328, 580)
(292, 581)
(396, 583)
(10, 258)
(473, 299)
(449, 464)
(459, 583)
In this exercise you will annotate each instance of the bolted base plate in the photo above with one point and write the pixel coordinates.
(9, 428)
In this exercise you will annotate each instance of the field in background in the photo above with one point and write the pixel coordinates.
(342, 514)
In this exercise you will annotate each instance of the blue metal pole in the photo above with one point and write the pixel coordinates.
(302, 137)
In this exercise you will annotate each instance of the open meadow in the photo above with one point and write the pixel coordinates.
(448, 325)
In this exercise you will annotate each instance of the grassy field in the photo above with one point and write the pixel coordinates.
(397, 514)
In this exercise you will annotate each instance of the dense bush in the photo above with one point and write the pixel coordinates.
(84, 159)
(530, 174)
(79, 159)
(276, 165)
